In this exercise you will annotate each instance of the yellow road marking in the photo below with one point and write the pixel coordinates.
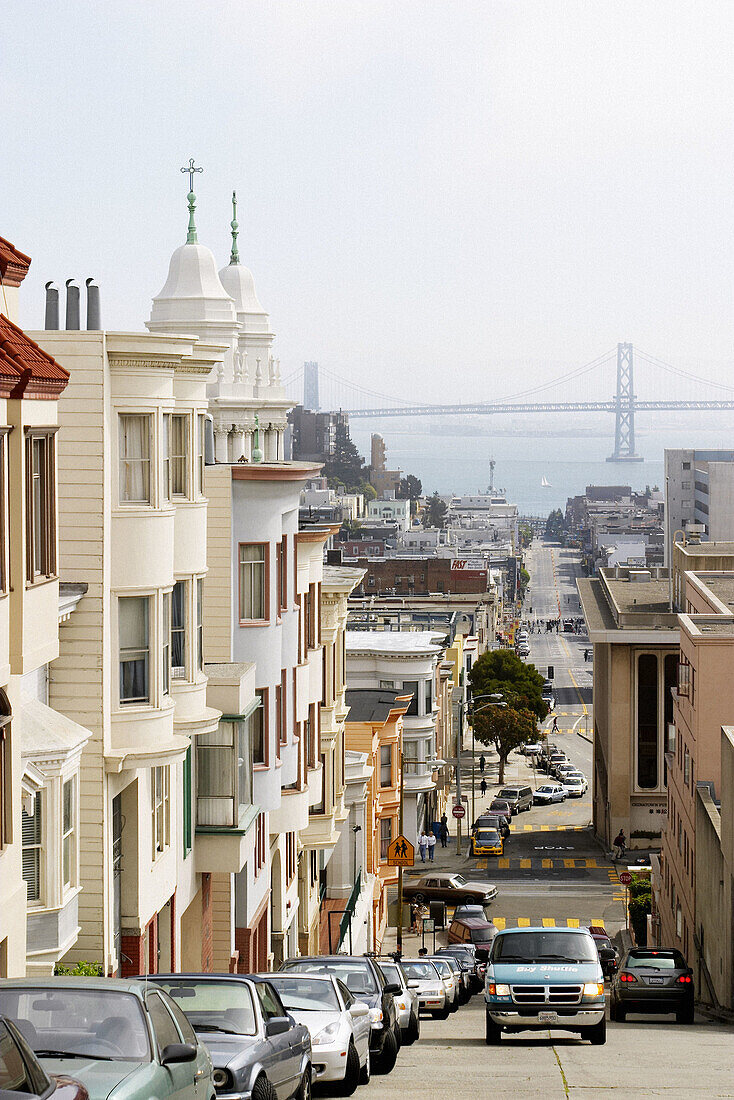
(597, 920)
(523, 922)
(548, 922)
(525, 863)
(569, 863)
(572, 922)
(503, 863)
(498, 922)
(547, 862)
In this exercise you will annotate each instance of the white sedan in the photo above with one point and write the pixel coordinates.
(339, 1026)
(580, 777)
(573, 785)
(548, 792)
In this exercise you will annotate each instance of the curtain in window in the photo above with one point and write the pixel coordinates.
(135, 458)
(133, 614)
(178, 628)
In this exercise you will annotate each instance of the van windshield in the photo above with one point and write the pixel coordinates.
(548, 946)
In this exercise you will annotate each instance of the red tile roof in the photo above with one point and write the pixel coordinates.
(26, 370)
(13, 264)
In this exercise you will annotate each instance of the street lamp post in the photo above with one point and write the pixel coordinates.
(496, 700)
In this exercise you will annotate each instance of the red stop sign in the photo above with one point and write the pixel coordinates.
(458, 810)
(625, 878)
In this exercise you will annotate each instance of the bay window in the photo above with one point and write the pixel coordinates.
(68, 832)
(385, 836)
(160, 806)
(385, 765)
(179, 448)
(6, 774)
(133, 614)
(135, 447)
(253, 582)
(223, 774)
(200, 453)
(200, 624)
(166, 451)
(166, 643)
(32, 848)
(40, 504)
(178, 630)
(260, 731)
(410, 687)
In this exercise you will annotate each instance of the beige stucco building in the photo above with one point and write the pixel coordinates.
(635, 638)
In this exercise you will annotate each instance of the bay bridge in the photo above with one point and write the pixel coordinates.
(547, 397)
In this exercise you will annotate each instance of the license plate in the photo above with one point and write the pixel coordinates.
(656, 981)
(547, 1017)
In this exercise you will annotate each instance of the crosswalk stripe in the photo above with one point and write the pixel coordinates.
(598, 920)
(525, 863)
(499, 923)
(523, 922)
(503, 864)
(547, 862)
(573, 922)
(548, 922)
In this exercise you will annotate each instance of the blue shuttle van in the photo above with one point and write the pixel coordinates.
(544, 978)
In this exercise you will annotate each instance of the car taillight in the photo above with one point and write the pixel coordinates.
(685, 979)
(627, 978)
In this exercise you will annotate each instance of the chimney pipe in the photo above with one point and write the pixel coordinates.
(72, 304)
(52, 306)
(94, 317)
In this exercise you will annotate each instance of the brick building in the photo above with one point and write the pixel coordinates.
(420, 576)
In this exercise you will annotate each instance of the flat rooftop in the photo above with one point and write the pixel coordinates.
(641, 597)
(406, 642)
(706, 549)
(613, 602)
(722, 586)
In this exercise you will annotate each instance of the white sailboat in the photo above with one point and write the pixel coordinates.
(545, 484)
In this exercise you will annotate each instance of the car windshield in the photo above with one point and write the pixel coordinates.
(550, 945)
(90, 1023)
(356, 974)
(458, 880)
(392, 972)
(419, 971)
(488, 836)
(305, 994)
(509, 792)
(656, 960)
(483, 935)
(603, 943)
(442, 967)
(214, 1006)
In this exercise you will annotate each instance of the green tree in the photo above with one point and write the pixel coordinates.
(526, 534)
(410, 488)
(504, 727)
(555, 525)
(435, 511)
(524, 579)
(640, 904)
(346, 465)
(502, 671)
(81, 969)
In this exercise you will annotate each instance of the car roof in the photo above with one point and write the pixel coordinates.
(118, 985)
(195, 976)
(311, 977)
(474, 922)
(540, 928)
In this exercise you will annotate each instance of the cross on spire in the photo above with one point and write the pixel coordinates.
(191, 237)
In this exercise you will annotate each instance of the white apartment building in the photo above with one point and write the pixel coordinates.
(39, 749)
(405, 661)
(132, 529)
(699, 491)
(390, 510)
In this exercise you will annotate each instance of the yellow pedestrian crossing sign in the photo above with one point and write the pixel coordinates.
(400, 852)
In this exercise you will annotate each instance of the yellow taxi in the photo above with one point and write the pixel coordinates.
(487, 842)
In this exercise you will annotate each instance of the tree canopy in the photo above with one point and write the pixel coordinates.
(346, 465)
(502, 671)
(506, 728)
(555, 525)
(434, 514)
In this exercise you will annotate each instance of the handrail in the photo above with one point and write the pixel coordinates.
(345, 922)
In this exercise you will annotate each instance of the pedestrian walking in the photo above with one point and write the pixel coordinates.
(620, 843)
(422, 846)
(555, 725)
(431, 845)
(482, 763)
(483, 787)
(444, 831)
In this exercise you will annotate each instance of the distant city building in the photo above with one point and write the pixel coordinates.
(313, 434)
(385, 481)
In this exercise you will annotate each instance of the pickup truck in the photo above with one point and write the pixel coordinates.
(541, 979)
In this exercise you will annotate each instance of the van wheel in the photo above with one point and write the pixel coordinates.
(597, 1034)
(493, 1032)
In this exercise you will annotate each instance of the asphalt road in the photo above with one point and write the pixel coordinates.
(647, 1056)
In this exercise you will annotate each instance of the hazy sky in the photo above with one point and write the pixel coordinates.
(430, 192)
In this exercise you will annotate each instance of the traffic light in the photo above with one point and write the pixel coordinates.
(551, 672)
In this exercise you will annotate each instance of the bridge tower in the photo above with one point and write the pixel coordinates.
(624, 429)
(311, 386)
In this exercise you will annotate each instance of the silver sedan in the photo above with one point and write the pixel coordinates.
(339, 1026)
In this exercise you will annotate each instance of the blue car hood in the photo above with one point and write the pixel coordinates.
(99, 1077)
(227, 1049)
(538, 973)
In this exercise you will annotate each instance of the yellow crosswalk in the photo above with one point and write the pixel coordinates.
(551, 828)
(545, 863)
(501, 923)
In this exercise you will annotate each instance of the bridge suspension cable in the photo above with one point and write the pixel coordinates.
(655, 362)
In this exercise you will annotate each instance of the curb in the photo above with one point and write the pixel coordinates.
(583, 737)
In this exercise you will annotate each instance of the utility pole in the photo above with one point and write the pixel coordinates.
(400, 868)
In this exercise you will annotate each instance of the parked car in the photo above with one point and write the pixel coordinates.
(520, 798)
(487, 842)
(470, 911)
(105, 1031)
(605, 947)
(573, 785)
(548, 792)
(581, 776)
(423, 975)
(548, 698)
(254, 1044)
(22, 1074)
(338, 1025)
(450, 983)
(565, 769)
(462, 976)
(466, 956)
(365, 981)
(449, 888)
(500, 806)
(407, 1007)
(473, 930)
(652, 979)
(532, 748)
